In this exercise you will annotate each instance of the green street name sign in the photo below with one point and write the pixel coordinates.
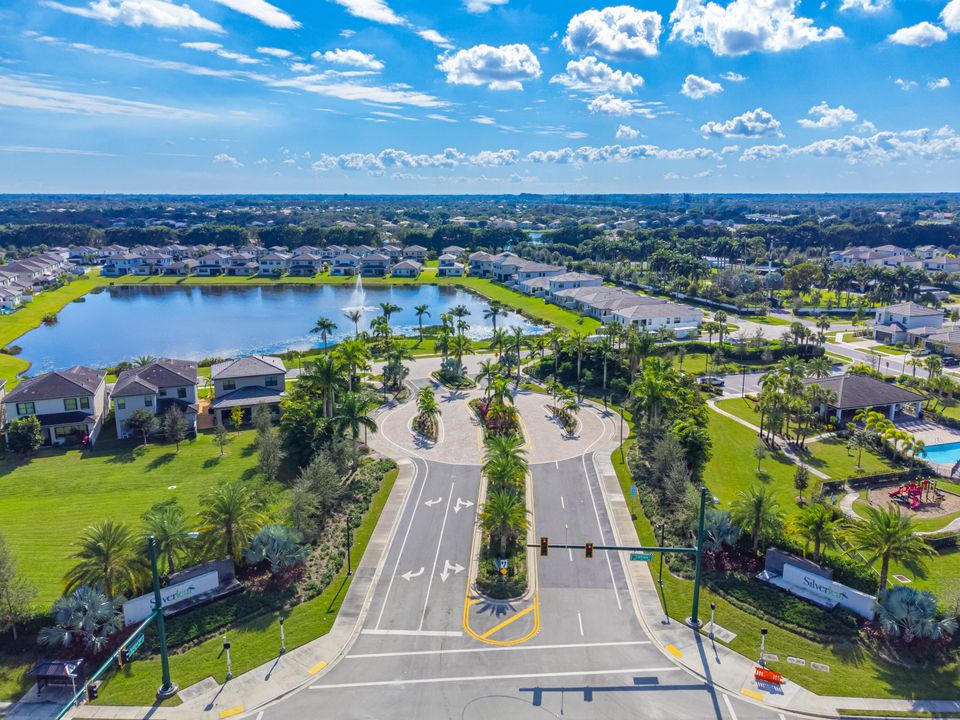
(135, 645)
(641, 557)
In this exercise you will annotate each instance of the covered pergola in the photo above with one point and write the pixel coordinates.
(858, 392)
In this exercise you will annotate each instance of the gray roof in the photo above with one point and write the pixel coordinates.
(74, 382)
(249, 366)
(860, 391)
(407, 265)
(150, 378)
(910, 309)
(242, 397)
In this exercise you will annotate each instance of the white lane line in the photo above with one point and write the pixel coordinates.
(488, 678)
(403, 543)
(580, 620)
(260, 715)
(596, 512)
(415, 633)
(514, 648)
(556, 464)
(781, 716)
(733, 715)
(563, 505)
(436, 557)
(570, 554)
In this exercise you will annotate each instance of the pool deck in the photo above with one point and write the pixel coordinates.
(931, 434)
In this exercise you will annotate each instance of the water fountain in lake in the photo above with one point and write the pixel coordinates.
(358, 299)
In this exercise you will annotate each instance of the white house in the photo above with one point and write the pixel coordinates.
(893, 323)
(69, 404)
(245, 383)
(346, 264)
(156, 388)
(447, 266)
(415, 252)
(276, 263)
(406, 268)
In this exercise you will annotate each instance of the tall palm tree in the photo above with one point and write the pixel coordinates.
(887, 534)
(108, 557)
(421, 311)
(819, 367)
(577, 345)
(720, 317)
(537, 345)
(230, 516)
(518, 344)
(354, 354)
(505, 461)
(427, 404)
(144, 360)
(607, 353)
(441, 343)
(756, 510)
(327, 375)
(504, 517)
(388, 308)
(355, 316)
(498, 340)
(324, 326)
(460, 345)
(460, 312)
(815, 524)
(556, 340)
(170, 529)
(493, 311)
(351, 415)
(488, 371)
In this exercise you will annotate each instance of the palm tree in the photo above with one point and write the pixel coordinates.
(170, 529)
(757, 511)
(87, 615)
(859, 440)
(328, 376)
(108, 557)
(498, 340)
(537, 345)
(911, 614)
(460, 312)
(354, 354)
(887, 534)
(488, 371)
(819, 367)
(720, 317)
(460, 345)
(518, 343)
(427, 405)
(144, 360)
(504, 517)
(352, 415)
(556, 341)
(421, 311)
(229, 518)
(324, 326)
(355, 316)
(505, 461)
(493, 311)
(815, 524)
(934, 366)
(607, 353)
(577, 345)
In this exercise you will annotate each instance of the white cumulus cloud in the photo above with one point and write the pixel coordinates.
(697, 88)
(905, 85)
(275, 52)
(434, 37)
(867, 6)
(610, 104)
(135, 13)
(625, 132)
(224, 159)
(922, 34)
(591, 74)
(353, 58)
(615, 33)
(745, 26)
(951, 16)
(733, 77)
(263, 11)
(505, 67)
(755, 123)
(218, 49)
(939, 84)
(824, 116)
(375, 10)
(482, 6)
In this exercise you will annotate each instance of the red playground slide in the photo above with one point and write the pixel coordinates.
(915, 502)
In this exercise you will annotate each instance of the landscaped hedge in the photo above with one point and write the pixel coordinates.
(845, 570)
(734, 353)
(787, 610)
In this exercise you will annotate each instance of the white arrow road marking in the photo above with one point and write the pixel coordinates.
(461, 504)
(447, 567)
(431, 503)
(410, 574)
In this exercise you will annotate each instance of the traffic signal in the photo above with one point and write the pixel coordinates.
(93, 689)
(588, 550)
(544, 546)
(125, 656)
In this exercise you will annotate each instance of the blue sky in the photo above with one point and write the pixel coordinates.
(479, 96)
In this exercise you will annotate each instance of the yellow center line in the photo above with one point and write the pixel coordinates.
(317, 668)
(506, 622)
(232, 711)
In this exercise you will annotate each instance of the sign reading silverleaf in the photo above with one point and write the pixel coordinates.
(140, 608)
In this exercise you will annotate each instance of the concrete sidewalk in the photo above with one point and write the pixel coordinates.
(280, 676)
(709, 659)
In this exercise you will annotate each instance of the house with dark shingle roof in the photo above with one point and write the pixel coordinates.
(70, 404)
(156, 387)
(858, 392)
(247, 382)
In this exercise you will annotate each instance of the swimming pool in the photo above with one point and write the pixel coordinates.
(946, 454)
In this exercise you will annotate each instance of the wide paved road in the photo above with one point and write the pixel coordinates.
(430, 650)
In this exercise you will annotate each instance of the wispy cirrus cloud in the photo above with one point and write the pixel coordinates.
(263, 11)
(135, 13)
(32, 149)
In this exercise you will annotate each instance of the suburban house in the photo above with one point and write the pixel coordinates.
(245, 383)
(69, 404)
(375, 264)
(276, 263)
(156, 388)
(10, 297)
(346, 264)
(406, 268)
(859, 392)
(212, 263)
(454, 250)
(393, 252)
(681, 320)
(415, 252)
(481, 264)
(896, 323)
(546, 285)
(331, 251)
(306, 264)
(447, 266)
(182, 267)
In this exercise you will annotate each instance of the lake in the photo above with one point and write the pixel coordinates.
(196, 322)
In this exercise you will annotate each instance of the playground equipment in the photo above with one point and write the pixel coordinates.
(913, 495)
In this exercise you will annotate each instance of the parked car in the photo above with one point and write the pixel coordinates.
(950, 361)
(920, 352)
(711, 381)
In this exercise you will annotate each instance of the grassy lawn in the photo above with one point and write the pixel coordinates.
(48, 500)
(30, 315)
(831, 456)
(532, 307)
(766, 320)
(741, 407)
(889, 350)
(852, 671)
(254, 642)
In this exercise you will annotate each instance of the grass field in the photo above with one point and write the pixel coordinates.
(766, 320)
(853, 672)
(49, 499)
(254, 642)
(832, 457)
(30, 315)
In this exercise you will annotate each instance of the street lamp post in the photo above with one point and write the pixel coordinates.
(168, 688)
(713, 611)
(763, 645)
(694, 619)
(621, 435)
(349, 568)
(283, 639)
(226, 649)
(662, 528)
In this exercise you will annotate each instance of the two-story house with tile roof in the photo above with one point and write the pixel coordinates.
(69, 404)
(245, 383)
(156, 388)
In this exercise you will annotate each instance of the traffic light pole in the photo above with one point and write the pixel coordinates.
(168, 688)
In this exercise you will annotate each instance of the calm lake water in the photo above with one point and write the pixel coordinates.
(193, 323)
